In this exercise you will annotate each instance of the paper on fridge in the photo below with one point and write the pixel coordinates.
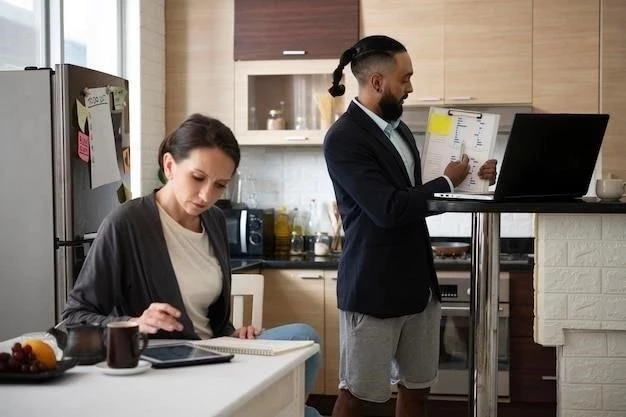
(104, 167)
(452, 132)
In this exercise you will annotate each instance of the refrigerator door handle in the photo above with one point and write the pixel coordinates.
(87, 238)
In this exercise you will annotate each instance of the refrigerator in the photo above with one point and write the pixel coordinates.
(52, 201)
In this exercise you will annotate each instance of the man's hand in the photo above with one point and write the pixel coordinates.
(159, 316)
(488, 171)
(457, 170)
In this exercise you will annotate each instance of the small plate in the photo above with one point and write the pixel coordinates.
(142, 366)
(62, 366)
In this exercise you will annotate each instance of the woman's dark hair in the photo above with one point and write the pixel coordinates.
(370, 50)
(199, 131)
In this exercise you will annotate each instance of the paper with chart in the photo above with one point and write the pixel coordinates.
(452, 132)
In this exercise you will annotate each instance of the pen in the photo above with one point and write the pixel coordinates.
(461, 150)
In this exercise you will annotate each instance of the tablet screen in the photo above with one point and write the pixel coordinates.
(183, 354)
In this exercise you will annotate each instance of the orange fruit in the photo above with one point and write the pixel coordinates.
(43, 353)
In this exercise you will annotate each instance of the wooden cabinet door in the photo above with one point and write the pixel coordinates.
(331, 333)
(613, 92)
(488, 51)
(295, 296)
(566, 55)
(418, 25)
(279, 29)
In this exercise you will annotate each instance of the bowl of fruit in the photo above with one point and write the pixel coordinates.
(31, 359)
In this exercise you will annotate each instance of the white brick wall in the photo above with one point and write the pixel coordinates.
(580, 304)
(145, 71)
(298, 174)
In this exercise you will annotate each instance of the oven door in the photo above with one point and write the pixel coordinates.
(453, 350)
(236, 225)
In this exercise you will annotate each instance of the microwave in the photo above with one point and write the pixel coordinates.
(250, 231)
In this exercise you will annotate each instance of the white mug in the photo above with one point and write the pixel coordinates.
(610, 189)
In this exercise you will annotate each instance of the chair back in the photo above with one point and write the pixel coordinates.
(243, 285)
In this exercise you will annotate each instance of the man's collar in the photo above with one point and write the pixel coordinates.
(384, 125)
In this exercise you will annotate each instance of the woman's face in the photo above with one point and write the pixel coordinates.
(199, 180)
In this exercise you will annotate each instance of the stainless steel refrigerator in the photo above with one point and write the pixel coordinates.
(49, 212)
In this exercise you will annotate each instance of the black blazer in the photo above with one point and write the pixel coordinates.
(387, 265)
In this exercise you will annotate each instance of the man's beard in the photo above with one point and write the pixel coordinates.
(390, 107)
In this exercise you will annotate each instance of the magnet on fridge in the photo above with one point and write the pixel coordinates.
(83, 146)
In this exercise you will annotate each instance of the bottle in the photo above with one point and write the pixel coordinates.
(297, 244)
(322, 244)
(252, 122)
(281, 232)
(275, 120)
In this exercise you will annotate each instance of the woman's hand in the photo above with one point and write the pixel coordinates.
(159, 316)
(246, 332)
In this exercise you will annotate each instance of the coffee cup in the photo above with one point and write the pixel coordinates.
(124, 344)
(610, 189)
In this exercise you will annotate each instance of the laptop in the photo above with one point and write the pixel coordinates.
(548, 156)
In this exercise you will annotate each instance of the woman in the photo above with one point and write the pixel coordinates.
(162, 260)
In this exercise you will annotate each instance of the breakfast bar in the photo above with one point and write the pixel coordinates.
(483, 400)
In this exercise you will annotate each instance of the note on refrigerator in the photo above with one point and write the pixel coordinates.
(449, 134)
(104, 168)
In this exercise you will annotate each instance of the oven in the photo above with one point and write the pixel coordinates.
(454, 334)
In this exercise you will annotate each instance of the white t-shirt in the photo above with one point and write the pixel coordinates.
(197, 270)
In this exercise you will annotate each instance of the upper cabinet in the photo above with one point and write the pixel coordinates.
(566, 63)
(488, 51)
(418, 24)
(283, 29)
(463, 51)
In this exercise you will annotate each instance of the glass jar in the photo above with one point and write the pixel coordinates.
(275, 120)
(297, 244)
(322, 244)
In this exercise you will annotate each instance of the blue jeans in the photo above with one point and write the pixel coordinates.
(300, 331)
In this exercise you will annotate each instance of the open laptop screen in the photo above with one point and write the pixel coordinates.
(550, 155)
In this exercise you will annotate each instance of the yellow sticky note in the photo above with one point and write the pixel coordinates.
(81, 115)
(439, 124)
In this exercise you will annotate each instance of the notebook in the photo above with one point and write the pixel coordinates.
(547, 156)
(252, 346)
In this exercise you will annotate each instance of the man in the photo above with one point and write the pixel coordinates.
(387, 290)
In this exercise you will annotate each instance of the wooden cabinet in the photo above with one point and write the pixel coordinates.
(331, 334)
(295, 296)
(463, 51)
(488, 51)
(199, 72)
(613, 86)
(566, 55)
(279, 29)
(299, 89)
(533, 367)
(418, 25)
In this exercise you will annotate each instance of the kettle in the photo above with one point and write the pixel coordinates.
(83, 341)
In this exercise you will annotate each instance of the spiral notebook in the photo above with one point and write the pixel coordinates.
(252, 346)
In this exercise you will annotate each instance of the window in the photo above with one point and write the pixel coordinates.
(91, 31)
(21, 34)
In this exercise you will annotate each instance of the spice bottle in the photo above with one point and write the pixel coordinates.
(275, 120)
(322, 244)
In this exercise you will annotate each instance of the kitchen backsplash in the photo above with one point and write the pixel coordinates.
(292, 176)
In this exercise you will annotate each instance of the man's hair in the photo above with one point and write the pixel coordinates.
(367, 54)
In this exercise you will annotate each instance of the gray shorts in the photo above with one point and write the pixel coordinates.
(377, 352)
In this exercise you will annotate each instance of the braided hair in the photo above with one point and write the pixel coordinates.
(367, 51)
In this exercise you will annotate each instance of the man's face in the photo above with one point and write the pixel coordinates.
(396, 87)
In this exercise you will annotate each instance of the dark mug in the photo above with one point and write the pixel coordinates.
(124, 344)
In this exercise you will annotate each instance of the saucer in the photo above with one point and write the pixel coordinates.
(142, 366)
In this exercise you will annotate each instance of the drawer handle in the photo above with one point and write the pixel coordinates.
(548, 378)
(429, 99)
(294, 52)
(462, 98)
(311, 277)
(296, 138)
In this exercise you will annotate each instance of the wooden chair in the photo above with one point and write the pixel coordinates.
(247, 285)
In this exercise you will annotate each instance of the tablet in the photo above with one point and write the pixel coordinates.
(182, 354)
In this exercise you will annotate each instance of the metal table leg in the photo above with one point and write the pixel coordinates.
(483, 331)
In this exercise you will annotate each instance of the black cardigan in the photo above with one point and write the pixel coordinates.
(387, 267)
(128, 267)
